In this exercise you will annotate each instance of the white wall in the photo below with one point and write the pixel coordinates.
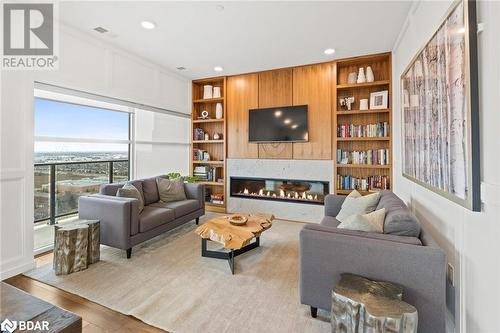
(86, 64)
(471, 240)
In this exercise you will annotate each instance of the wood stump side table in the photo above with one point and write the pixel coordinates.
(70, 248)
(94, 240)
(360, 305)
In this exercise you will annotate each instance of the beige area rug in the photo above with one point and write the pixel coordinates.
(169, 285)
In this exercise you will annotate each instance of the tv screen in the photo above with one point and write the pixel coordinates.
(280, 124)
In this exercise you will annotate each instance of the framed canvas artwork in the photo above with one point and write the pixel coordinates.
(440, 112)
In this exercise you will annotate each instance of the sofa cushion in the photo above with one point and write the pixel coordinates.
(152, 217)
(371, 222)
(130, 191)
(357, 205)
(330, 221)
(171, 189)
(399, 220)
(110, 189)
(150, 190)
(180, 208)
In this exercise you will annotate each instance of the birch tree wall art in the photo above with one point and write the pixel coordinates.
(440, 114)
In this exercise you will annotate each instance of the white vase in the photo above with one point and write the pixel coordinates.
(361, 76)
(363, 104)
(369, 74)
(218, 111)
(207, 91)
(351, 79)
(216, 92)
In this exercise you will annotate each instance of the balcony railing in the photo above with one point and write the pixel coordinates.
(58, 185)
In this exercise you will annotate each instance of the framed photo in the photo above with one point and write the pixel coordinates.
(440, 110)
(378, 100)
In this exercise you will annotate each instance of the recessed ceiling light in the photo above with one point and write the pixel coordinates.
(278, 113)
(218, 69)
(329, 51)
(219, 8)
(148, 25)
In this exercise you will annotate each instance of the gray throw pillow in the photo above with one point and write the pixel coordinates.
(130, 191)
(171, 189)
(371, 222)
(358, 205)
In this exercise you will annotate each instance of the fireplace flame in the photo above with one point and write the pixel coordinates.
(246, 191)
(282, 194)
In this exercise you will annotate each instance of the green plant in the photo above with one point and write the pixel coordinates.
(187, 179)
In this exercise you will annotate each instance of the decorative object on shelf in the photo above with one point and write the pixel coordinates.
(346, 102)
(216, 93)
(371, 305)
(361, 76)
(204, 114)
(440, 111)
(363, 104)
(216, 136)
(352, 78)
(237, 219)
(207, 91)
(218, 111)
(378, 100)
(207, 137)
(206, 156)
(369, 74)
(199, 134)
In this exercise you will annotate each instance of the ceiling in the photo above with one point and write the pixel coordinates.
(244, 36)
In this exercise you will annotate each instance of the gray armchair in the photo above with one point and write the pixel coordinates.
(415, 262)
(122, 226)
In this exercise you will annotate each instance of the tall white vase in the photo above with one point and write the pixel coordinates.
(361, 76)
(207, 91)
(218, 111)
(369, 74)
(216, 92)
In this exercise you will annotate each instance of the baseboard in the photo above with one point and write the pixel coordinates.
(21, 268)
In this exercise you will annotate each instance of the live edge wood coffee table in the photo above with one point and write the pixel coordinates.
(236, 239)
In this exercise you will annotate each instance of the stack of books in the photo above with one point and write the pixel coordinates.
(201, 172)
(369, 183)
(369, 157)
(217, 198)
(363, 131)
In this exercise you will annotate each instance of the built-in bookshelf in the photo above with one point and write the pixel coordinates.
(362, 138)
(208, 155)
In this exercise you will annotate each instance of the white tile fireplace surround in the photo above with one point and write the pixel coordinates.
(279, 169)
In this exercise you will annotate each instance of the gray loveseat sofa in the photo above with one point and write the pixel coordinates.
(404, 254)
(121, 224)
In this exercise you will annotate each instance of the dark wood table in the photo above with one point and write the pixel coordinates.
(17, 305)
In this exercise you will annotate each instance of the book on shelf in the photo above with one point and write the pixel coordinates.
(207, 173)
(366, 157)
(363, 131)
(200, 155)
(370, 183)
(217, 198)
(199, 134)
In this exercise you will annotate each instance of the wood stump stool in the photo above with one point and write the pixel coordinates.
(70, 248)
(360, 305)
(94, 240)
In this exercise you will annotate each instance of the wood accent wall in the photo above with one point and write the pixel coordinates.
(242, 95)
(275, 89)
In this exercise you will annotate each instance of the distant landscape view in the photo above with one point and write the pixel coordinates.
(74, 179)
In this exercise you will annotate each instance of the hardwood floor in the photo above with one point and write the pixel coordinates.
(96, 318)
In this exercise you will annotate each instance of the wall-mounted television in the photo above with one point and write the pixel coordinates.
(278, 124)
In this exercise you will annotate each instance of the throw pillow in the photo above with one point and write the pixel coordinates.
(171, 189)
(353, 195)
(358, 205)
(371, 222)
(130, 191)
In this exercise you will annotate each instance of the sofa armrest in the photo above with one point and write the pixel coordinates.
(118, 216)
(333, 203)
(421, 270)
(196, 192)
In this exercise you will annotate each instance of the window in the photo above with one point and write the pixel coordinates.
(77, 148)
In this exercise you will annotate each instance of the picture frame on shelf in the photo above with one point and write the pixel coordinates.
(379, 100)
(440, 110)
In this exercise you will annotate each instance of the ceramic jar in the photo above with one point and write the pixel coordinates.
(361, 76)
(369, 74)
(207, 91)
(218, 111)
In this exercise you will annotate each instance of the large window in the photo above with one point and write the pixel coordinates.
(77, 148)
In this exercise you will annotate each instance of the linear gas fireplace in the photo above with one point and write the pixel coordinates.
(303, 191)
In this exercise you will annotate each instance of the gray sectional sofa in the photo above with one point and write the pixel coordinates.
(403, 254)
(121, 224)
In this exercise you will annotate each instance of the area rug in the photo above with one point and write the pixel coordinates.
(167, 284)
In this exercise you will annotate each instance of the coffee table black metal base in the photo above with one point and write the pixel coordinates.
(229, 256)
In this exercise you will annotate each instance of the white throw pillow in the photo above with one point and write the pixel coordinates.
(358, 205)
(371, 222)
(130, 191)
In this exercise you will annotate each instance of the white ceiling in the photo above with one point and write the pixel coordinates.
(245, 36)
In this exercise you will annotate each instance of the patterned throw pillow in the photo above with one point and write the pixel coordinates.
(130, 191)
(357, 204)
(171, 189)
(371, 222)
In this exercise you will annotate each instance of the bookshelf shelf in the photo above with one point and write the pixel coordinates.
(215, 167)
(355, 174)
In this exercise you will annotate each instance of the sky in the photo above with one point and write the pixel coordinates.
(58, 119)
